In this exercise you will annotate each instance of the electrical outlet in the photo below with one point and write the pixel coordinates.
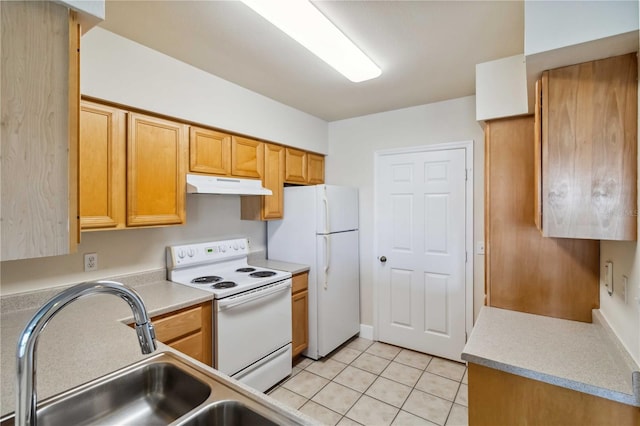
(90, 262)
(480, 247)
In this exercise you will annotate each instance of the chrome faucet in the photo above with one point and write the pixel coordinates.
(28, 341)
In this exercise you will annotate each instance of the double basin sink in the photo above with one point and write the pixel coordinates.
(161, 390)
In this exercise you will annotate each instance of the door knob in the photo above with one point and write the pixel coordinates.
(383, 259)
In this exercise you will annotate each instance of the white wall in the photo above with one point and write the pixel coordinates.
(352, 144)
(120, 70)
(550, 25)
(623, 316)
(209, 218)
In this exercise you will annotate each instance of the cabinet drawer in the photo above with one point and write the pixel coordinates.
(300, 282)
(173, 326)
(191, 345)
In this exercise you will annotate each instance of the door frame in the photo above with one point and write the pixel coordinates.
(469, 196)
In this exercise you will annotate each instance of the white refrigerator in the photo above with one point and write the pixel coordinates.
(320, 229)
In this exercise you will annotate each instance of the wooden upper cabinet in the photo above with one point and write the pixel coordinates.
(209, 151)
(156, 168)
(524, 271)
(102, 166)
(537, 157)
(39, 68)
(316, 169)
(295, 166)
(589, 150)
(267, 207)
(247, 157)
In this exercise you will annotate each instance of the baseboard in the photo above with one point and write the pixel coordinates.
(366, 331)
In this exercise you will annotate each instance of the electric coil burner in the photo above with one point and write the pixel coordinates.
(262, 274)
(206, 280)
(245, 269)
(224, 284)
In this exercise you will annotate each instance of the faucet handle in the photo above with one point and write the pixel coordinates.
(146, 337)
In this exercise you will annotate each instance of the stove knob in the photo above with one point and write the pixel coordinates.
(242, 244)
(181, 254)
(235, 246)
(191, 252)
(223, 249)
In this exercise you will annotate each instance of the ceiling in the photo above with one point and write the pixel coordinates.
(427, 50)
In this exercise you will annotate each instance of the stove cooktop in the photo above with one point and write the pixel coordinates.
(218, 267)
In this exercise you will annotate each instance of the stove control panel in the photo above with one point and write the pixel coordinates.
(193, 254)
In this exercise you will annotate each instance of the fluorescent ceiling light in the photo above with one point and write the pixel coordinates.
(300, 20)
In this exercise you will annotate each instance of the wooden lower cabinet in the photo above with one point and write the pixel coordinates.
(188, 331)
(499, 398)
(300, 313)
(524, 271)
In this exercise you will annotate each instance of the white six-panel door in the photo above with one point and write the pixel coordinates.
(420, 207)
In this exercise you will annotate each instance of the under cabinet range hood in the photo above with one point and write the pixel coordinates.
(200, 184)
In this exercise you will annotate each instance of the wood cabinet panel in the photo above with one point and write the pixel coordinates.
(299, 282)
(267, 207)
(316, 169)
(156, 168)
(525, 271)
(499, 398)
(39, 86)
(209, 151)
(247, 157)
(295, 166)
(187, 330)
(102, 166)
(589, 145)
(300, 313)
(537, 156)
(191, 345)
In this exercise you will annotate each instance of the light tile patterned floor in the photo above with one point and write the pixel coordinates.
(372, 383)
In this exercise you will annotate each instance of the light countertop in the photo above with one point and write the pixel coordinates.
(279, 265)
(585, 357)
(88, 339)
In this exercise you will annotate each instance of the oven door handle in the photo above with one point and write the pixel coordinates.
(260, 293)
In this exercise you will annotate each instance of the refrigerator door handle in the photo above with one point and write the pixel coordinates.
(327, 256)
(325, 200)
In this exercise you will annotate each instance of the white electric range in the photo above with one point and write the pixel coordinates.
(252, 308)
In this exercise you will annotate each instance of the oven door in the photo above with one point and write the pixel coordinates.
(251, 325)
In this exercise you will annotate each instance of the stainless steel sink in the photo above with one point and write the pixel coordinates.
(161, 390)
(228, 413)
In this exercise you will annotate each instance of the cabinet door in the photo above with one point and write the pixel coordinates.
(295, 166)
(209, 151)
(525, 271)
(188, 331)
(39, 133)
(247, 157)
(589, 150)
(316, 169)
(273, 205)
(156, 167)
(300, 322)
(102, 166)
(267, 207)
